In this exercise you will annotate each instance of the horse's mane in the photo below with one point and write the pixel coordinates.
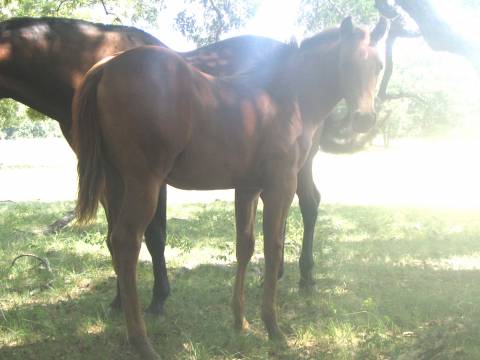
(330, 36)
(53, 22)
(323, 38)
(265, 69)
(241, 41)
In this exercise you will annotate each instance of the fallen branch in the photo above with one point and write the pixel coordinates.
(44, 261)
(60, 223)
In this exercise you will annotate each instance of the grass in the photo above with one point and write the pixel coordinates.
(392, 283)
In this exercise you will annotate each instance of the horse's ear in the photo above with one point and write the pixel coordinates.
(378, 31)
(346, 27)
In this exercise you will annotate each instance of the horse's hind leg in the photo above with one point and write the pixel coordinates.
(281, 269)
(155, 238)
(138, 207)
(111, 203)
(309, 199)
(245, 209)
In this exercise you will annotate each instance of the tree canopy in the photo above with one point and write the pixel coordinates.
(207, 21)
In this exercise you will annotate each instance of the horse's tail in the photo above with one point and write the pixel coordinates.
(87, 143)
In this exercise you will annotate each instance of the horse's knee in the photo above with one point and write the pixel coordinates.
(245, 246)
(317, 196)
(155, 239)
(309, 208)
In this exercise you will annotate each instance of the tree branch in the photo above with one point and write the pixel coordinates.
(108, 13)
(337, 9)
(386, 9)
(397, 29)
(219, 30)
(437, 33)
(60, 5)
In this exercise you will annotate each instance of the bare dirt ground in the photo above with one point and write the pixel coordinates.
(416, 173)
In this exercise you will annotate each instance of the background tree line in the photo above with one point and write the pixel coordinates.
(417, 99)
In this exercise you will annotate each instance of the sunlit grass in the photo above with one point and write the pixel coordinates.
(391, 283)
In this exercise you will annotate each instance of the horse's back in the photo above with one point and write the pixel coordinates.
(231, 55)
(144, 99)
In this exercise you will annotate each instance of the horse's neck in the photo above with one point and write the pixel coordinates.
(28, 85)
(42, 79)
(43, 72)
(319, 88)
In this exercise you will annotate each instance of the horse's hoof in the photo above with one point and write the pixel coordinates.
(280, 273)
(156, 312)
(277, 336)
(144, 349)
(116, 303)
(114, 309)
(242, 326)
(307, 284)
(155, 309)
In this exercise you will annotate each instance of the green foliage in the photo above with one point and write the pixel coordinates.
(204, 21)
(430, 117)
(317, 15)
(9, 110)
(28, 129)
(442, 88)
(18, 121)
(430, 114)
(123, 11)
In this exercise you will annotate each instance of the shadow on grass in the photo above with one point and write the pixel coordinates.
(376, 297)
(384, 300)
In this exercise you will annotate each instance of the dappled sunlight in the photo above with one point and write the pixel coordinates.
(344, 336)
(382, 271)
(457, 263)
(95, 328)
(88, 248)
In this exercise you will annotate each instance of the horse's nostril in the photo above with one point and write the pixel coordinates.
(363, 121)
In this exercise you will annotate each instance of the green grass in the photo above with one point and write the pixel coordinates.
(392, 284)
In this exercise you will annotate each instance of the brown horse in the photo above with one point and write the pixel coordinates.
(64, 49)
(146, 118)
(42, 61)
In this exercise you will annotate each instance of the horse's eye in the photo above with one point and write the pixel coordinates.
(379, 67)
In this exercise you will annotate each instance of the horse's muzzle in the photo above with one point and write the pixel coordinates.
(363, 122)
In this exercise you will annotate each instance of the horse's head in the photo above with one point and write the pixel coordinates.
(359, 68)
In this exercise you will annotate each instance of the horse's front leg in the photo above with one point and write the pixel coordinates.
(277, 198)
(309, 199)
(155, 239)
(245, 209)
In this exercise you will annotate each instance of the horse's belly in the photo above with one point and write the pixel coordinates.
(210, 174)
(198, 179)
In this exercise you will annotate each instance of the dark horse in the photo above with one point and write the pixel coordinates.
(146, 118)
